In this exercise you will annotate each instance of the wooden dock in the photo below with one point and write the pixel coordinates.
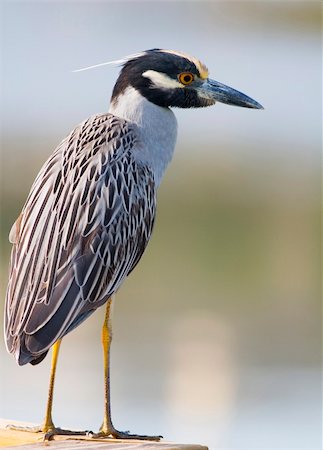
(25, 440)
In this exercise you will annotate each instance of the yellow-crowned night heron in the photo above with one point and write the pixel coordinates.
(91, 209)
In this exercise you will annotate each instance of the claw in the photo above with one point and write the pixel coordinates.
(113, 433)
(49, 433)
(34, 429)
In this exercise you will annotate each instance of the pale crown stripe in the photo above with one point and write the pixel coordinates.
(199, 65)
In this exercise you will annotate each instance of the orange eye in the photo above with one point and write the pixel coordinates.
(186, 78)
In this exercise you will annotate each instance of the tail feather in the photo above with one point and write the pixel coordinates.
(23, 356)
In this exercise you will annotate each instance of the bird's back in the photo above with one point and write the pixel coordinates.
(83, 228)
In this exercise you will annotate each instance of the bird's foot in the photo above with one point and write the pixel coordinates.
(51, 433)
(33, 429)
(111, 432)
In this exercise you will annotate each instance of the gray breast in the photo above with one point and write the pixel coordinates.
(156, 128)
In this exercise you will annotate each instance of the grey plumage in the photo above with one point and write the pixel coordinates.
(97, 204)
(91, 209)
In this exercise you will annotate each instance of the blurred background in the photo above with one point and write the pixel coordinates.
(217, 331)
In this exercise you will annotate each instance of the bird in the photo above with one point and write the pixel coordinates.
(91, 209)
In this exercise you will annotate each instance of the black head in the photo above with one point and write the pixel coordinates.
(164, 77)
(168, 78)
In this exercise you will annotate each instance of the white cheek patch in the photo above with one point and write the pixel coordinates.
(161, 80)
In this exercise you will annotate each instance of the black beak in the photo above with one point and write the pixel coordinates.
(213, 90)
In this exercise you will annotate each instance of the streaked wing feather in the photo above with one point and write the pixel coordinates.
(84, 227)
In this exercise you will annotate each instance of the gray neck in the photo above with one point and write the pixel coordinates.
(157, 128)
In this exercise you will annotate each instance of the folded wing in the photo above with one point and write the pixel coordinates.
(84, 227)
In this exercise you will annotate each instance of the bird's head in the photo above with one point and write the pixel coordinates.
(173, 79)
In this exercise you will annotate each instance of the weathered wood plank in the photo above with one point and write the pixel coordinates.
(24, 440)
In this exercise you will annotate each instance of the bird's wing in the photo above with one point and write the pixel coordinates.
(84, 227)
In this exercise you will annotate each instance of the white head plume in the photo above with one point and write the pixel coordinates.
(115, 62)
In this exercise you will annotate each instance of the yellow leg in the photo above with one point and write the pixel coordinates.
(107, 428)
(48, 423)
(48, 426)
(106, 337)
